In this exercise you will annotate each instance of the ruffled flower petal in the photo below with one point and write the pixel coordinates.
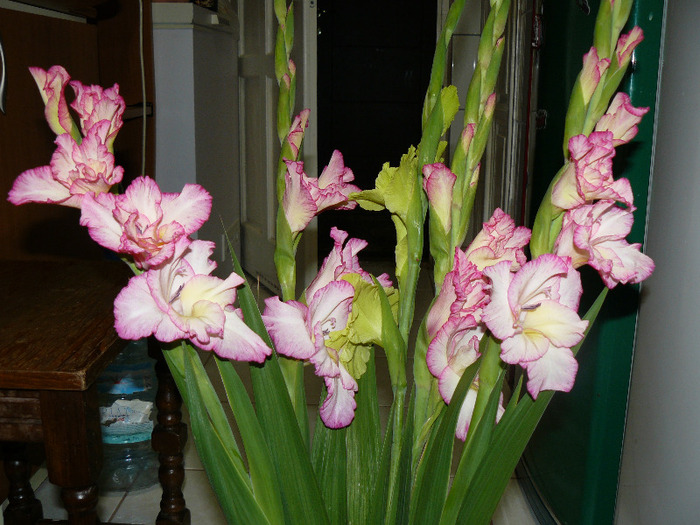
(38, 185)
(287, 326)
(338, 409)
(555, 370)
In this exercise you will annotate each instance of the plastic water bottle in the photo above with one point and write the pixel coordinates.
(127, 391)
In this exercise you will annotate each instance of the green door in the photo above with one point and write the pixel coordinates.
(573, 460)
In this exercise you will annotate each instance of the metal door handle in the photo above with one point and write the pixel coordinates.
(3, 78)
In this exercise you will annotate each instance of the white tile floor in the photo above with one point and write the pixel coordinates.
(141, 507)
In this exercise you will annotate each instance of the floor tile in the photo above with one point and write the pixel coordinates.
(50, 497)
(143, 506)
(513, 508)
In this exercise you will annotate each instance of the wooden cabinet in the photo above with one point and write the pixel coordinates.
(98, 42)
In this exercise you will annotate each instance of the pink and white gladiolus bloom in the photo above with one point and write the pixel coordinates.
(451, 352)
(455, 331)
(305, 197)
(296, 131)
(75, 170)
(343, 260)
(181, 300)
(95, 105)
(438, 183)
(595, 234)
(499, 240)
(52, 86)
(626, 44)
(534, 314)
(621, 119)
(591, 73)
(589, 176)
(300, 331)
(143, 222)
(461, 295)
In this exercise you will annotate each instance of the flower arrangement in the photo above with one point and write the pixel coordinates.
(510, 297)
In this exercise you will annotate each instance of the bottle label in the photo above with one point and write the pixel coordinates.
(126, 421)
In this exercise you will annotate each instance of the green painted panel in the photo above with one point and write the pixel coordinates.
(573, 459)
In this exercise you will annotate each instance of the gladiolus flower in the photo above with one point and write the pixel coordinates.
(181, 300)
(305, 197)
(300, 331)
(75, 170)
(595, 234)
(462, 295)
(342, 319)
(533, 313)
(590, 176)
(593, 69)
(438, 183)
(626, 44)
(455, 348)
(343, 260)
(296, 132)
(52, 85)
(143, 222)
(94, 105)
(499, 240)
(621, 119)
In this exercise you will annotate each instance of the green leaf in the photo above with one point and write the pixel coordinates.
(379, 495)
(477, 444)
(433, 474)
(363, 441)
(232, 488)
(329, 457)
(301, 495)
(300, 491)
(252, 317)
(392, 341)
(262, 471)
(394, 455)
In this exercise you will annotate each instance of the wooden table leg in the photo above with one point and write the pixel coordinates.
(73, 443)
(22, 507)
(168, 439)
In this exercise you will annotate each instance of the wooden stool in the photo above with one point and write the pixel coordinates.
(56, 336)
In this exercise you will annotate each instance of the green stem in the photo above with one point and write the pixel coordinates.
(491, 366)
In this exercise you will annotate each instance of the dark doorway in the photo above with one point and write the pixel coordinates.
(374, 60)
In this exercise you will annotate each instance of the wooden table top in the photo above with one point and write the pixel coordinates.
(57, 322)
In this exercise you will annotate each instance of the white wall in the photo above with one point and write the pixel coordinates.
(660, 478)
(196, 82)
